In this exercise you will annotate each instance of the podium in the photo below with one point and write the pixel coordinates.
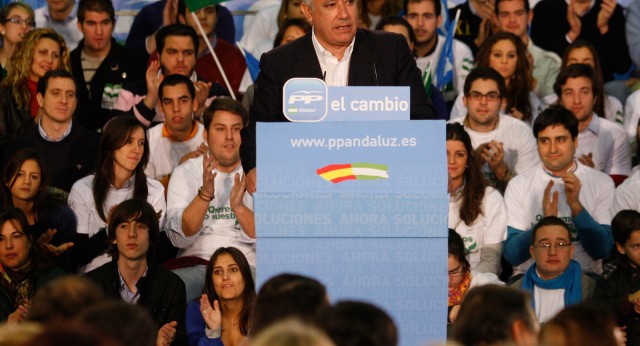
(362, 207)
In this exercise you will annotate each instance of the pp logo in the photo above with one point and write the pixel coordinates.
(304, 100)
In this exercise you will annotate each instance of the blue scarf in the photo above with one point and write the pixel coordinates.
(570, 280)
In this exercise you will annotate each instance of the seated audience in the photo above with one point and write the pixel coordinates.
(50, 221)
(560, 186)
(16, 19)
(63, 299)
(179, 137)
(358, 323)
(476, 22)
(23, 268)
(505, 145)
(583, 52)
(229, 55)
(158, 14)
(60, 16)
(425, 16)
(515, 16)
(461, 276)
(505, 53)
(116, 322)
(619, 286)
(287, 296)
(626, 195)
(222, 315)
(208, 206)
(556, 24)
(122, 157)
(290, 30)
(100, 65)
(583, 324)
(68, 149)
(476, 211)
(132, 275)
(494, 315)
(177, 48)
(41, 50)
(554, 280)
(602, 144)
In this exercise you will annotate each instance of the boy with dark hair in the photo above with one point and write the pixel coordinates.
(619, 285)
(133, 277)
(99, 64)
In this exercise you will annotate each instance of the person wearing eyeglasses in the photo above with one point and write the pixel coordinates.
(504, 144)
(555, 280)
(461, 277)
(563, 187)
(16, 19)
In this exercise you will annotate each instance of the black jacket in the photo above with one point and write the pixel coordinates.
(162, 293)
(117, 68)
(13, 121)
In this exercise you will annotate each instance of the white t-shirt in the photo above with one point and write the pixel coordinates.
(220, 227)
(165, 154)
(548, 302)
(89, 222)
(490, 228)
(631, 117)
(523, 199)
(520, 149)
(608, 143)
(627, 195)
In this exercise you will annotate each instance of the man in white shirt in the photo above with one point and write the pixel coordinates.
(425, 17)
(515, 16)
(505, 144)
(207, 204)
(60, 16)
(555, 280)
(179, 138)
(603, 144)
(561, 186)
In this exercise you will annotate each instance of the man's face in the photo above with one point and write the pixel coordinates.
(223, 138)
(399, 29)
(59, 100)
(577, 96)
(96, 29)
(334, 22)
(552, 251)
(513, 17)
(178, 56)
(556, 148)
(178, 107)
(207, 17)
(59, 5)
(424, 21)
(132, 240)
(482, 110)
(631, 248)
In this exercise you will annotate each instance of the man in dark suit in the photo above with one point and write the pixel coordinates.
(341, 54)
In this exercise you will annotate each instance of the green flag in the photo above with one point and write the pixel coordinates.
(194, 5)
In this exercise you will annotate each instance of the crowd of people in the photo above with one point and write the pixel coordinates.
(133, 167)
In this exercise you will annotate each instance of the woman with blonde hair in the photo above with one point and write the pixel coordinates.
(16, 20)
(41, 50)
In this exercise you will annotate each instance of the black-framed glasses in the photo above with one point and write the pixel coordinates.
(491, 96)
(26, 22)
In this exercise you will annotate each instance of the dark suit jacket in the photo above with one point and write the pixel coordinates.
(378, 58)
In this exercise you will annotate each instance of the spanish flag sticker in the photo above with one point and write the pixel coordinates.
(337, 173)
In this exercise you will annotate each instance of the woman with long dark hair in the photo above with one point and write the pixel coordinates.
(49, 220)
(122, 157)
(476, 211)
(222, 316)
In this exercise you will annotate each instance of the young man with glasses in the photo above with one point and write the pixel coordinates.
(555, 280)
(563, 187)
(505, 144)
